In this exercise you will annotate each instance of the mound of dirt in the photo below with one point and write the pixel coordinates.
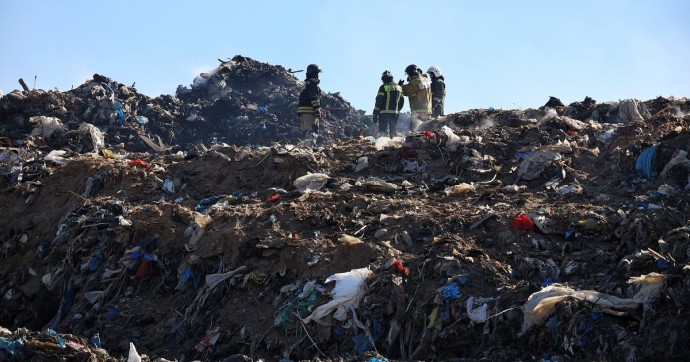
(489, 235)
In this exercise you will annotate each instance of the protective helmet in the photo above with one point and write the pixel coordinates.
(387, 75)
(411, 69)
(313, 69)
(435, 71)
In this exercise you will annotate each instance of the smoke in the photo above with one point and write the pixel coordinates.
(403, 125)
(206, 70)
(679, 113)
(486, 123)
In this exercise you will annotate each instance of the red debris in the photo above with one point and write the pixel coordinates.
(522, 222)
(273, 198)
(430, 135)
(139, 162)
(400, 268)
(209, 339)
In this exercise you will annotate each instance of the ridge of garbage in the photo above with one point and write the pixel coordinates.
(196, 227)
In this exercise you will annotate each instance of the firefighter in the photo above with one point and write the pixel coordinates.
(438, 91)
(418, 90)
(389, 102)
(309, 106)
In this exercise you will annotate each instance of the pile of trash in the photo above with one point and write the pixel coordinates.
(551, 234)
(242, 102)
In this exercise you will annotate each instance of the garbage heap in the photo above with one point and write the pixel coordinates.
(242, 102)
(256, 103)
(487, 235)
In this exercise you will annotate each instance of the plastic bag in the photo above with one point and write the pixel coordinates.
(55, 156)
(133, 355)
(96, 135)
(644, 165)
(460, 189)
(349, 289)
(169, 186)
(385, 142)
(534, 164)
(10, 345)
(522, 222)
(45, 126)
(311, 182)
(349, 240)
(453, 140)
(541, 304)
(679, 159)
(479, 314)
(139, 162)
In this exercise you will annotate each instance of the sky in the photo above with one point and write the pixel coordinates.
(505, 54)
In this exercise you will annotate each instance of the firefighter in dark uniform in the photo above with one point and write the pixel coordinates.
(438, 91)
(309, 106)
(389, 102)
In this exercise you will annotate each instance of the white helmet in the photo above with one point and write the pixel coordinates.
(435, 71)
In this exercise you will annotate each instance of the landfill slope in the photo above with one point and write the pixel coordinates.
(489, 235)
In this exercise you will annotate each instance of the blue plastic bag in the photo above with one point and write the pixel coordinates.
(645, 163)
(120, 113)
(10, 345)
(451, 291)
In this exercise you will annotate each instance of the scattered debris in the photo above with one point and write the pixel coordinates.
(195, 227)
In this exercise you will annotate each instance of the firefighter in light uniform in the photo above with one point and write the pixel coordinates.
(389, 102)
(309, 106)
(418, 90)
(438, 91)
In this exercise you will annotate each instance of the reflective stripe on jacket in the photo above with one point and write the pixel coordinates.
(389, 99)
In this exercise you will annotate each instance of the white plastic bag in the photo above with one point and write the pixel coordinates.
(214, 279)
(479, 314)
(55, 156)
(384, 142)
(349, 289)
(133, 355)
(95, 133)
(453, 140)
(169, 186)
(45, 126)
(541, 304)
(311, 182)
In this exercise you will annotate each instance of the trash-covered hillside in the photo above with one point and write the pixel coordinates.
(241, 102)
(194, 227)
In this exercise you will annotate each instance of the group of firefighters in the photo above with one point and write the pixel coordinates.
(426, 97)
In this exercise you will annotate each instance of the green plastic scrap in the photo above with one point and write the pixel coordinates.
(300, 306)
(432, 318)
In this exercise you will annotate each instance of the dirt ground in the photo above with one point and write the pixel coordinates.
(460, 232)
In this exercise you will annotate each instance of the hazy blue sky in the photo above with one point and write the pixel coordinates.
(502, 54)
